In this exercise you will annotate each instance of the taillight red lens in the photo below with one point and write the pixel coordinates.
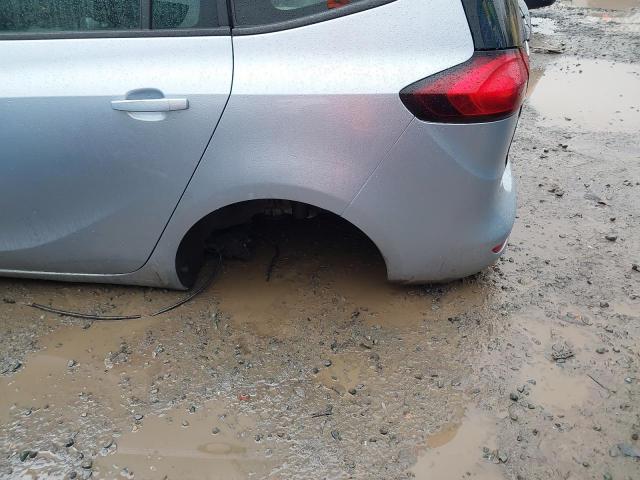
(489, 86)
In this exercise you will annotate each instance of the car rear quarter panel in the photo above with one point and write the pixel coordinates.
(314, 110)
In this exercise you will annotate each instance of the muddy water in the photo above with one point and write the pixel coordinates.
(557, 386)
(209, 443)
(596, 95)
(256, 359)
(607, 4)
(456, 452)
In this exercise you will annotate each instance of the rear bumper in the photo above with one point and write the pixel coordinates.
(440, 201)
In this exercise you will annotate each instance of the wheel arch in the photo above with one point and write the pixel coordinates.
(189, 255)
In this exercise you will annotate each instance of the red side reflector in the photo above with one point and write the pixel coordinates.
(337, 3)
(498, 248)
(489, 86)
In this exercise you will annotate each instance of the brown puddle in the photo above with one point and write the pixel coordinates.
(179, 444)
(272, 340)
(606, 4)
(346, 372)
(556, 386)
(46, 378)
(582, 94)
(456, 451)
(334, 268)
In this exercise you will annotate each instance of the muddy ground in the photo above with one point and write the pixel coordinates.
(529, 370)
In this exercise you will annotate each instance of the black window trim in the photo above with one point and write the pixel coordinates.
(306, 20)
(143, 31)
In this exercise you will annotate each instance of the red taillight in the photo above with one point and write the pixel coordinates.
(489, 86)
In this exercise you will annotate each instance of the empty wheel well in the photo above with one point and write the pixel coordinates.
(191, 251)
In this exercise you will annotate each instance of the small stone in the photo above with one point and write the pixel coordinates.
(72, 474)
(185, 423)
(336, 435)
(635, 267)
(87, 464)
(352, 391)
(513, 415)
(514, 396)
(611, 237)
(11, 367)
(71, 363)
(24, 455)
(192, 409)
(328, 363)
(384, 430)
(215, 430)
(561, 351)
(69, 442)
(258, 437)
(634, 436)
(126, 473)
(138, 416)
(628, 450)
(503, 457)
(604, 304)
(601, 350)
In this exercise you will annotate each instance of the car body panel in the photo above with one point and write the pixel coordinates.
(440, 201)
(315, 116)
(86, 188)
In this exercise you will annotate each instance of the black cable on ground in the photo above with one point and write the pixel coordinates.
(274, 258)
(89, 316)
(196, 292)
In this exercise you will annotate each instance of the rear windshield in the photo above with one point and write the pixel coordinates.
(495, 24)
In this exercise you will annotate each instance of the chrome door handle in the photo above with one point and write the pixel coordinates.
(151, 105)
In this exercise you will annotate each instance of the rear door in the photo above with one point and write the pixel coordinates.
(106, 107)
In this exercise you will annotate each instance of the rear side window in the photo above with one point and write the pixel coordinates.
(68, 15)
(265, 12)
(495, 24)
(34, 16)
(184, 14)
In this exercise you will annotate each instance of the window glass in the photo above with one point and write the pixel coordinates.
(184, 13)
(68, 15)
(262, 12)
(495, 24)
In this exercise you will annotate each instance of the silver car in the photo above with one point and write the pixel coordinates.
(132, 129)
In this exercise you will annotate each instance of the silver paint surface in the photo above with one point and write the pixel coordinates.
(85, 188)
(314, 116)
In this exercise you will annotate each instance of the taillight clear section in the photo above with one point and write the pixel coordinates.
(490, 86)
